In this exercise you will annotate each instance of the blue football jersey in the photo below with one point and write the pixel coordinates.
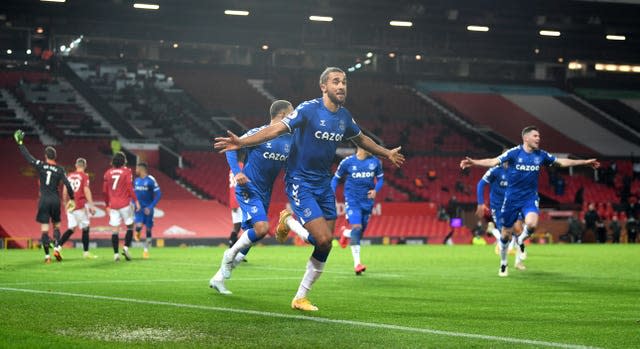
(264, 162)
(524, 169)
(147, 191)
(360, 176)
(497, 179)
(316, 133)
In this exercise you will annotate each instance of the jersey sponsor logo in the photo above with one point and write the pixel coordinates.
(329, 136)
(274, 156)
(504, 184)
(141, 187)
(528, 168)
(363, 174)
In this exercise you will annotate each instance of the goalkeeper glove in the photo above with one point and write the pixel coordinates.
(18, 136)
(71, 206)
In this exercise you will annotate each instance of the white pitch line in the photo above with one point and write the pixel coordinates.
(312, 319)
(80, 282)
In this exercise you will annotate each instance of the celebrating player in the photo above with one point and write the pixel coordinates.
(118, 194)
(236, 211)
(521, 196)
(253, 192)
(148, 193)
(363, 179)
(84, 207)
(318, 127)
(50, 175)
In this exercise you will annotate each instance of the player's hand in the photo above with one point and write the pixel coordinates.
(371, 194)
(92, 210)
(241, 178)
(396, 157)
(18, 136)
(466, 163)
(593, 163)
(147, 211)
(70, 206)
(480, 211)
(108, 211)
(223, 144)
(137, 206)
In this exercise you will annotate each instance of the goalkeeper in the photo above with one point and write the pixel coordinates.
(50, 175)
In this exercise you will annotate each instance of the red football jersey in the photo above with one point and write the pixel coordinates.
(118, 187)
(79, 181)
(233, 202)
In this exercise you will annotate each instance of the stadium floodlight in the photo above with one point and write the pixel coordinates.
(321, 18)
(367, 61)
(53, 0)
(351, 69)
(554, 33)
(599, 66)
(9, 51)
(624, 68)
(369, 54)
(400, 23)
(175, 45)
(236, 13)
(359, 65)
(610, 67)
(63, 48)
(146, 6)
(575, 65)
(39, 30)
(418, 57)
(29, 51)
(635, 69)
(392, 55)
(616, 37)
(477, 28)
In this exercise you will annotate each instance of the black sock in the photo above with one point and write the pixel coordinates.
(149, 233)
(115, 240)
(128, 237)
(56, 237)
(65, 237)
(233, 238)
(138, 229)
(85, 239)
(45, 242)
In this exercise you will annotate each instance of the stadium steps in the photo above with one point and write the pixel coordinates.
(90, 110)
(258, 84)
(22, 114)
(621, 110)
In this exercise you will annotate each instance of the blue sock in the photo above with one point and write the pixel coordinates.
(320, 255)
(356, 234)
(246, 251)
(252, 235)
(312, 241)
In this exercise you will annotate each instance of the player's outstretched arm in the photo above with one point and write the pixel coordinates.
(469, 162)
(480, 198)
(564, 162)
(233, 142)
(18, 136)
(369, 145)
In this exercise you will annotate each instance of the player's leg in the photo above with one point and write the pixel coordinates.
(54, 212)
(138, 220)
(317, 211)
(236, 219)
(505, 236)
(507, 218)
(45, 241)
(530, 213)
(127, 214)
(354, 216)
(148, 223)
(114, 221)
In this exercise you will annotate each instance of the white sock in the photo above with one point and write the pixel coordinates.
(238, 259)
(512, 244)
(503, 252)
(147, 244)
(297, 228)
(218, 276)
(518, 256)
(355, 252)
(125, 248)
(314, 270)
(243, 243)
(524, 235)
(347, 233)
(496, 233)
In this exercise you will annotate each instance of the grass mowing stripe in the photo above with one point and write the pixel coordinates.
(309, 318)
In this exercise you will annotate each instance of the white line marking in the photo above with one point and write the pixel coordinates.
(312, 319)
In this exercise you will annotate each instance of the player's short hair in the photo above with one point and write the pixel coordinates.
(119, 159)
(82, 162)
(529, 129)
(325, 74)
(143, 165)
(50, 153)
(278, 106)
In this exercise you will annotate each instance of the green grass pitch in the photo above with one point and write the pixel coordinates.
(411, 296)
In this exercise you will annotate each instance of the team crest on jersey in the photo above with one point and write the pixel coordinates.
(254, 209)
(536, 160)
(323, 122)
(342, 126)
(307, 212)
(293, 114)
(286, 148)
(372, 166)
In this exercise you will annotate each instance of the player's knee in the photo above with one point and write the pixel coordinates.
(324, 243)
(261, 228)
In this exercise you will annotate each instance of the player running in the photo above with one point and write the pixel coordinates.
(148, 193)
(236, 211)
(118, 195)
(521, 196)
(253, 192)
(318, 127)
(363, 180)
(496, 177)
(50, 175)
(80, 217)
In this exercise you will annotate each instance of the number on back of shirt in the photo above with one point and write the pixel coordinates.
(115, 178)
(75, 184)
(48, 178)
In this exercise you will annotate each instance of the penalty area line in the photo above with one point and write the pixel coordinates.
(309, 318)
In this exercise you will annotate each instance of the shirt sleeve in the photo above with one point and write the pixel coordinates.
(548, 159)
(379, 176)
(105, 188)
(342, 168)
(297, 118)
(480, 191)
(232, 160)
(508, 156)
(157, 193)
(132, 193)
(352, 129)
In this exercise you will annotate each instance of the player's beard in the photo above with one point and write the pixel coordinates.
(333, 97)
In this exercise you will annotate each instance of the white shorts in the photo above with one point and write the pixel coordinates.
(78, 218)
(116, 216)
(236, 215)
